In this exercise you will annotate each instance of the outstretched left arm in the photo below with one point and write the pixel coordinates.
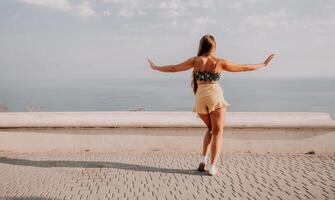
(186, 65)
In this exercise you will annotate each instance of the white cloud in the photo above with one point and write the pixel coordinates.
(119, 37)
(178, 8)
(130, 8)
(282, 21)
(56, 4)
(172, 9)
(126, 8)
(269, 21)
(204, 21)
(236, 5)
(205, 4)
(172, 24)
(85, 9)
(200, 24)
(82, 9)
(106, 13)
(130, 12)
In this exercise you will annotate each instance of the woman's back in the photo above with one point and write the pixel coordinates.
(205, 69)
(205, 63)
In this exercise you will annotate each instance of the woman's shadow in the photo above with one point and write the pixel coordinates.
(95, 164)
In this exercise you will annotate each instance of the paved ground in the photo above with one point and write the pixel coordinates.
(165, 175)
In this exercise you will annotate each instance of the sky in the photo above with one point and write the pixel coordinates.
(111, 39)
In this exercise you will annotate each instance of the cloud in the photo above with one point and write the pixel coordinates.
(130, 12)
(179, 8)
(172, 24)
(269, 21)
(200, 24)
(128, 8)
(55, 4)
(119, 37)
(282, 21)
(106, 13)
(85, 9)
(82, 9)
(204, 4)
(236, 5)
(172, 9)
(203, 21)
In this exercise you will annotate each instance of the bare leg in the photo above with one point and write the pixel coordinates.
(216, 147)
(207, 143)
(217, 119)
(207, 138)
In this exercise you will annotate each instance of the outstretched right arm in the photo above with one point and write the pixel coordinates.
(234, 67)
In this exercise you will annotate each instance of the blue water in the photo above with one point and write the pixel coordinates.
(316, 95)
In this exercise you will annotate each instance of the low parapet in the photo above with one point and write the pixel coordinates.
(119, 119)
(289, 132)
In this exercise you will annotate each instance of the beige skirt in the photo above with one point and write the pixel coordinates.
(208, 98)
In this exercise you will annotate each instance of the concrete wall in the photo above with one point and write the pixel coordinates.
(274, 132)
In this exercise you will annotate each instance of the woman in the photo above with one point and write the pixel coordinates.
(210, 104)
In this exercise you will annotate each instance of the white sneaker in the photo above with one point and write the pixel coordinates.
(212, 170)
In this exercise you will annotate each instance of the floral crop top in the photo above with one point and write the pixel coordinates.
(207, 75)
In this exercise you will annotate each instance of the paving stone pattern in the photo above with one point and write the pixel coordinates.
(165, 175)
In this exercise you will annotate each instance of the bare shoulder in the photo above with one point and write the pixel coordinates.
(222, 60)
(222, 63)
(192, 59)
(189, 61)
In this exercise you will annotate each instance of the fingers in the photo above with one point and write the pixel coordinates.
(269, 59)
(151, 63)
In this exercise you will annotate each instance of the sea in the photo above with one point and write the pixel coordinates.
(244, 95)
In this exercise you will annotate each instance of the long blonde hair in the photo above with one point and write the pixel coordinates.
(207, 45)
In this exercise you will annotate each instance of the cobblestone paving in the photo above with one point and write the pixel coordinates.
(165, 175)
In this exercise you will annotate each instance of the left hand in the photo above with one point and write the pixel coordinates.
(152, 65)
(266, 62)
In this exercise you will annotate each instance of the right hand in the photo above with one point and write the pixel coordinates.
(152, 65)
(266, 62)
